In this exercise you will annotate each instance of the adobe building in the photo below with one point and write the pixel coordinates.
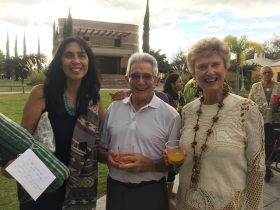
(111, 43)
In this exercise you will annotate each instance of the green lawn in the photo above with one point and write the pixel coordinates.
(12, 106)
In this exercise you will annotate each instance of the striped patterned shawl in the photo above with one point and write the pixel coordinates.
(81, 188)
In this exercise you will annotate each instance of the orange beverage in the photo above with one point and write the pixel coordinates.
(125, 151)
(124, 155)
(175, 151)
(175, 155)
(117, 159)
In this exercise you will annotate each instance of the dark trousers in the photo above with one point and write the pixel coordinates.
(149, 197)
(171, 177)
(270, 137)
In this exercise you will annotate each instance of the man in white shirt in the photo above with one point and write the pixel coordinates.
(146, 122)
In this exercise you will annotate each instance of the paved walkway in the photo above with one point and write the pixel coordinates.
(271, 194)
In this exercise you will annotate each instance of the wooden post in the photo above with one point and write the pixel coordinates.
(23, 89)
(11, 89)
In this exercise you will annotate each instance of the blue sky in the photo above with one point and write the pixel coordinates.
(173, 23)
(255, 26)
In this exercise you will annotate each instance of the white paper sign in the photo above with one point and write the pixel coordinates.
(31, 173)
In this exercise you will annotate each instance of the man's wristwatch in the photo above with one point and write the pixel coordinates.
(155, 166)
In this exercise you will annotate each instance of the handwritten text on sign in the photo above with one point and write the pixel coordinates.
(31, 173)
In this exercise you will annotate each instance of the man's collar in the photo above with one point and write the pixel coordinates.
(126, 100)
(155, 102)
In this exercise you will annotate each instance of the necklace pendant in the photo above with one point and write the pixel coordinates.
(199, 112)
(225, 92)
(193, 144)
(221, 104)
(215, 119)
(203, 147)
(267, 89)
(209, 131)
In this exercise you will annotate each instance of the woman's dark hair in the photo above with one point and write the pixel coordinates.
(55, 83)
(167, 88)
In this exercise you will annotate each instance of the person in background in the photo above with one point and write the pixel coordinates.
(223, 136)
(70, 94)
(172, 86)
(145, 121)
(262, 94)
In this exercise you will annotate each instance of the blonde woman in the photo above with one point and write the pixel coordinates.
(223, 137)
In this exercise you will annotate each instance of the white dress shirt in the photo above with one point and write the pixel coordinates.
(148, 130)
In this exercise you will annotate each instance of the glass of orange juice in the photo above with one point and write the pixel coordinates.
(175, 150)
(124, 151)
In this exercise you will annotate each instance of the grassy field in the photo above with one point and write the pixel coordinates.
(12, 106)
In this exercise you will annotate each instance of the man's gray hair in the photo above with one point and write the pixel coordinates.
(264, 67)
(142, 57)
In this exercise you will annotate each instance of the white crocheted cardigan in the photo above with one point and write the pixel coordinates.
(233, 164)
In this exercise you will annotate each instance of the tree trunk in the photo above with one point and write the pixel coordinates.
(237, 77)
(243, 87)
(22, 77)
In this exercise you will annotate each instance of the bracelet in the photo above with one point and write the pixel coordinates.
(155, 166)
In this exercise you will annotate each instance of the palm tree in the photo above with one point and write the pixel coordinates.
(240, 47)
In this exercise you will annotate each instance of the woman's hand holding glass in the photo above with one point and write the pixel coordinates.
(174, 153)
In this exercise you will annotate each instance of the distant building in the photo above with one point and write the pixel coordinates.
(111, 43)
(261, 61)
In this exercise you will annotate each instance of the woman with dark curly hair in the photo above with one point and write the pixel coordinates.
(172, 86)
(70, 95)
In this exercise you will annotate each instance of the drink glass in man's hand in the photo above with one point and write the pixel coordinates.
(125, 151)
(175, 150)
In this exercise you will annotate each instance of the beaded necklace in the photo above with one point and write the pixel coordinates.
(197, 159)
(70, 110)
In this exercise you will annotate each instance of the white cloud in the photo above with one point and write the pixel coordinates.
(215, 26)
(36, 18)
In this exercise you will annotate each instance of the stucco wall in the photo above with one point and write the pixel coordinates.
(130, 42)
(276, 70)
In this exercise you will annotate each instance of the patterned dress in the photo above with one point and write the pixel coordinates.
(232, 167)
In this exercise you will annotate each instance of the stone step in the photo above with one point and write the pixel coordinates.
(113, 81)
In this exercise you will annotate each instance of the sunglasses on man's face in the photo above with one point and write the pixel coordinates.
(264, 73)
(137, 76)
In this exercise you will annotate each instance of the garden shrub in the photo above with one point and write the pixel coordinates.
(37, 78)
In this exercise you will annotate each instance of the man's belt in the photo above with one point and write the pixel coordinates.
(134, 185)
